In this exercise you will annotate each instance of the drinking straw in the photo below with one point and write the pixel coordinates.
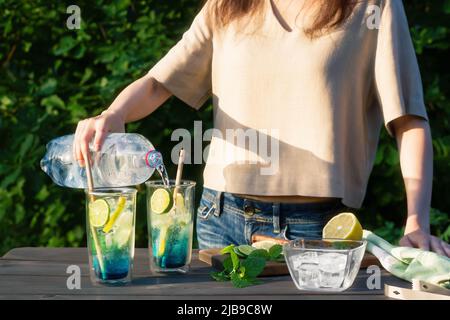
(179, 174)
(90, 183)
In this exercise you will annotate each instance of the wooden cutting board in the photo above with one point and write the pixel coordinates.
(213, 258)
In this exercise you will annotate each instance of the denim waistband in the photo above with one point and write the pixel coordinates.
(242, 202)
(250, 207)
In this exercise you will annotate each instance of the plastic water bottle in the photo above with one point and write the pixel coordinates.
(125, 159)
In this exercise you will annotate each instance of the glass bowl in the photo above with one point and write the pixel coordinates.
(327, 265)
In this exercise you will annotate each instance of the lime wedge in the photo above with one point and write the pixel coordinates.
(98, 213)
(179, 201)
(240, 255)
(264, 244)
(124, 226)
(245, 249)
(120, 205)
(161, 201)
(181, 208)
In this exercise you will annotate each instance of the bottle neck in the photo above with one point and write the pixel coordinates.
(153, 159)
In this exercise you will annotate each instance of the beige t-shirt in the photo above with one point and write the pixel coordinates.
(305, 114)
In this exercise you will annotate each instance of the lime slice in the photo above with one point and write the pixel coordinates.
(120, 205)
(182, 211)
(98, 213)
(264, 244)
(124, 226)
(161, 201)
(125, 220)
(343, 226)
(179, 202)
(236, 250)
(245, 249)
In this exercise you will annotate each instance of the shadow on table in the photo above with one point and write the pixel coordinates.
(196, 276)
(167, 279)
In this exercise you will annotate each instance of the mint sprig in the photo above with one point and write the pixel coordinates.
(244, 272)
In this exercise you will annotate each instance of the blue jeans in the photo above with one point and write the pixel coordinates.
(224, 219)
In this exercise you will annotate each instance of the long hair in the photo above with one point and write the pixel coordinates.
(332, 13)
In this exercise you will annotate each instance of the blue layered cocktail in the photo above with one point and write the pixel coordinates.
(110, 228)
(170, 224)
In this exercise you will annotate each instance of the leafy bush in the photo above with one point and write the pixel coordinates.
(52, 77)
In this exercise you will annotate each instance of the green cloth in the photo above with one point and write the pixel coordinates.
(409, 263)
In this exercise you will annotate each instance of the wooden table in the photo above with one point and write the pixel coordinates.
(40, 273)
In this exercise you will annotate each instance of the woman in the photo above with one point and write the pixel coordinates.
(316, 78)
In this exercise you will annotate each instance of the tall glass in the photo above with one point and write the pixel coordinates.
(110, 224)
(170, 213)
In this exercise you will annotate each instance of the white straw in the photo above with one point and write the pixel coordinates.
(90, 183)
(178, 177)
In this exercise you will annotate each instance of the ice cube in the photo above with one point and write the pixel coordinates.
(306, 264)
(332, 269)
(109, 237)
(305, 257)
(308, 275)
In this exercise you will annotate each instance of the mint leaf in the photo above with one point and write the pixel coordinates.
(228, 264)
(239, 282)
(261, 253)
(242, 273)
(235, 260)
(220, 276)
(242, 282)
(236, 250)
(253, 266)
(275, 251)
(227, 249)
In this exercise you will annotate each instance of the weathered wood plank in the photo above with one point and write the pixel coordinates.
(164, 286)
(47, 254)
(41, 273)
(141, 271)
(21, 267)
(17, 286)
(79, 255)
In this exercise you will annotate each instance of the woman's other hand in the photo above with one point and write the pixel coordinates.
(425, 241)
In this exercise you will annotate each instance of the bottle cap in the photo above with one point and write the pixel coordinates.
(154, 159)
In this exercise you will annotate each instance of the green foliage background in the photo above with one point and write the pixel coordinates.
(52, 77)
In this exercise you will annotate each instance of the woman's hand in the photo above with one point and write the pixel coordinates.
(424, 240)
(135, 102)
(97, 127)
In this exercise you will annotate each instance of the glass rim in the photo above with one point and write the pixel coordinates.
(111, 191)
(159, 183)
(290, 245)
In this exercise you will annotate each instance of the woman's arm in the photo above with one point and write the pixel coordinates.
(139, 99)
(135, 102)
(416, 159)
